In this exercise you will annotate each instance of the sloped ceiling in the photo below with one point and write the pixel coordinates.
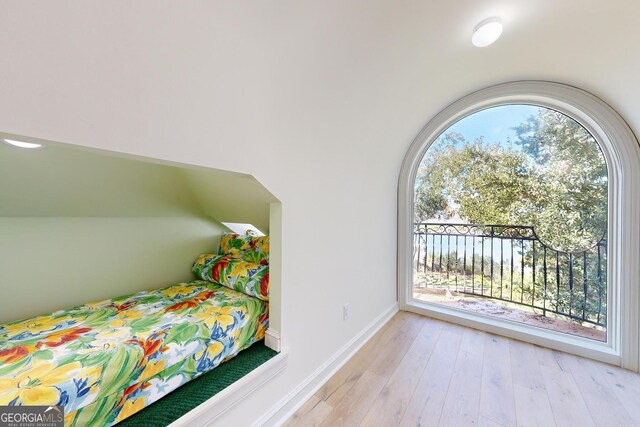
(65, 181)
(230, 197)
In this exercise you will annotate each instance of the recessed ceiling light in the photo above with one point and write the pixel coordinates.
(22, 144)
(487, 32)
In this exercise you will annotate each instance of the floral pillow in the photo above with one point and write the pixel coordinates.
(249, 247)
(247, 277)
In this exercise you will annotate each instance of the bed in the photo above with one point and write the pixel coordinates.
(107, 360)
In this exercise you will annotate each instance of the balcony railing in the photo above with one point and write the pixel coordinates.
(510, 263)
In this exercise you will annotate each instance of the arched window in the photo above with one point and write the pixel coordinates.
(515, 207)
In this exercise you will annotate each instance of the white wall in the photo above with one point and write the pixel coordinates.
(318, 100)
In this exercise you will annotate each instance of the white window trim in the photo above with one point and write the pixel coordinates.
(622, 154)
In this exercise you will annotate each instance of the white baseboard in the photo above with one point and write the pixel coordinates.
(207, 412)
(272, 339)
(298, 396)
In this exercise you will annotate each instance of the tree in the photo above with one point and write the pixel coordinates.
(553, 177)
(574, 171)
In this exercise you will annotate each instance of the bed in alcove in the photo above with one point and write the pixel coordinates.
(83, 226)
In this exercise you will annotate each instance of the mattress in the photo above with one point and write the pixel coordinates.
(105, 361)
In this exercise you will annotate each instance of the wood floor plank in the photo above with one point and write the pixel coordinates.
(548, 358)
(626, 386)
(389, 407)
(354, 406)
(304, 409)
(525, 367)
(430, 373)
(388, 359)
(339, 385)
(462, 403)
(566, 401)
(426, 403)
(532, 407)
(486, 422)
(529, 392)
(597, 393)
(496, 396)
(311, 414)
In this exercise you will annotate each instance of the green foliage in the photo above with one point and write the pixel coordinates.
(553, 177)
(578, 291)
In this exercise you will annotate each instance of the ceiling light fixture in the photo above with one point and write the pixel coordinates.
(22, 144)
(487, 32)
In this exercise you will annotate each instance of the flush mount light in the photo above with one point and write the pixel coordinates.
(22, 144)
(487, 32)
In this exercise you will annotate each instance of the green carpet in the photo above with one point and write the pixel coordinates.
(180, 401)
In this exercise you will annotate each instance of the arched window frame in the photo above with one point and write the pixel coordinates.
(622, 154)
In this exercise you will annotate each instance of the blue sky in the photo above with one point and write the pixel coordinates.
(494, 124)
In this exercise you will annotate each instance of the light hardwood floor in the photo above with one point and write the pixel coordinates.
(418, 371)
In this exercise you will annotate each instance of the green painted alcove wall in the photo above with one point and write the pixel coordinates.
(80, 225)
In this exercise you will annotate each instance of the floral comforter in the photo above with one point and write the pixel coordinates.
(107, 360)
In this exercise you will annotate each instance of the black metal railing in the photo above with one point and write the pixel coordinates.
(510, 263)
